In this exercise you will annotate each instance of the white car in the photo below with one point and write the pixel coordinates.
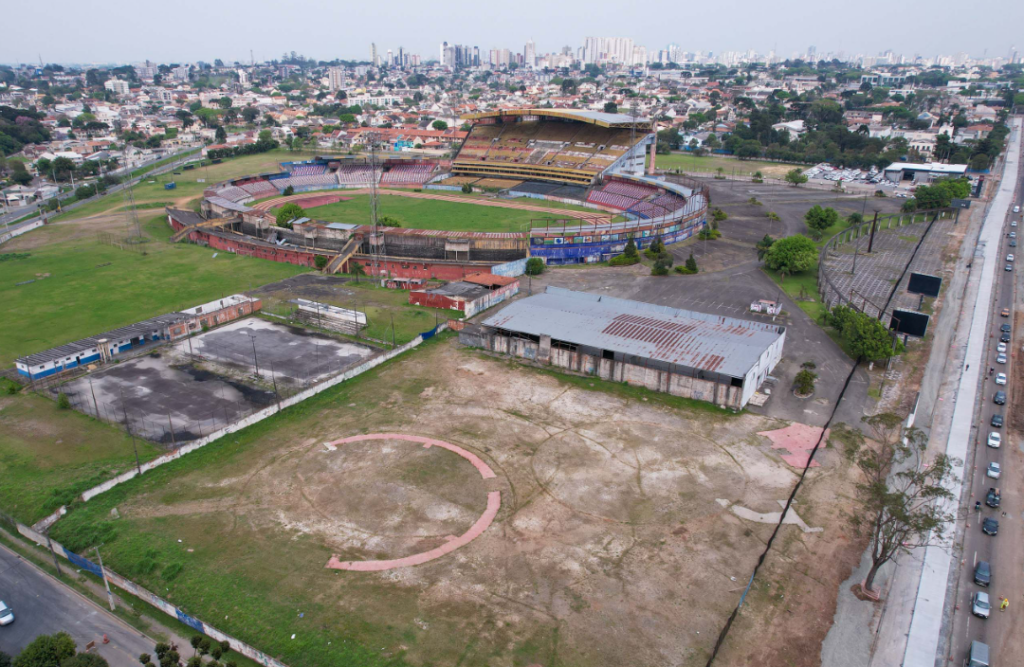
(1016, 209)
(980, 606)
(995, 440)
(6, 614)
(994, 470)
(1001, 347)
(1013, 223)
(1000, 378)
(1000, 358)
(1009, 258)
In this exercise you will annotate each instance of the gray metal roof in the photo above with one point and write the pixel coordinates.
(725, 345)
(468, 291)
(143, 328)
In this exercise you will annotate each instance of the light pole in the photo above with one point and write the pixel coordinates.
(255, 361)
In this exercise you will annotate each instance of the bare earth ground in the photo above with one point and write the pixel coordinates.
(609, 548)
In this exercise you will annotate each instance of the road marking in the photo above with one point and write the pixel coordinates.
(976, 556)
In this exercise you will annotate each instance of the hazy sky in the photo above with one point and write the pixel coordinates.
(188, 30)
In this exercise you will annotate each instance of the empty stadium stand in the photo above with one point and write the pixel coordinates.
(259, 189)
(408, 174)
(356, 175)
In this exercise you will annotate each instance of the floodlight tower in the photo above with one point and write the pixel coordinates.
(378, 252)
(130, 212)
(634, 110)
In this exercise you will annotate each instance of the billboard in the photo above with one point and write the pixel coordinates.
(908, 322)
(922, 283)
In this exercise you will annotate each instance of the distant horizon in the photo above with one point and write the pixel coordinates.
(193, 31)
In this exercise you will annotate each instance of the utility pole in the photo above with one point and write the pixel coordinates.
(871, 239)
(127, 425)
(255, 361)
(103, 571)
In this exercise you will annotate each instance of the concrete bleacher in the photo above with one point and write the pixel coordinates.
(308, 169)
(259, 189)
(634, 190)
(235, 194)
(356, 175)
(610, 199)
(669, 201)
(408, 174)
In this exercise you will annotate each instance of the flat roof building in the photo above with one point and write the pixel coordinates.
(923, 173)
(707, 357)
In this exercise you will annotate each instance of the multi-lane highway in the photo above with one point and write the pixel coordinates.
(1002, 630)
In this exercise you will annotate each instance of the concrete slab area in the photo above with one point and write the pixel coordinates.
(291, 354)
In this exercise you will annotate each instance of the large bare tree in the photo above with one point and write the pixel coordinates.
(904, 501)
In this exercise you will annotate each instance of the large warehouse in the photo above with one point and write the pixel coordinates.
(712, 358)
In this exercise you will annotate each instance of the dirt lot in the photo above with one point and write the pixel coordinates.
(614, 543)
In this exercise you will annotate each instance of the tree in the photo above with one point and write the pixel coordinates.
(288, 191)
(611, 107)
(46, 651)
(863, 336)
(467, 189)
(224, 102)
(980, 162)
(763, 246)
(439, 125)
(287, 213)
(903, 504)
(854, 218)
(320, 261)
(819, 219)
(250, 114)
(62, 168)
(85, 660)
(793, 254)
(5, 660)
(221, 135)
(534, 266)
(795, 177)
(19, 174)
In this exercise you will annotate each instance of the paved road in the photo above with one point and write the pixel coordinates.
(44, 606)
(1002, 631)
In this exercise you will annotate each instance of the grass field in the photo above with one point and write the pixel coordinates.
(84, 287)
(709, 164)
(151, 190)
(426, 214)
(48, 455)
(608, 535)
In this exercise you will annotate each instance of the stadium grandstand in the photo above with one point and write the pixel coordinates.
(553, 145)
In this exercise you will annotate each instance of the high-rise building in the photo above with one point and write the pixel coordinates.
(336, 78)
(390, 58)
(608, 50)
(530, 54)
(373, 55)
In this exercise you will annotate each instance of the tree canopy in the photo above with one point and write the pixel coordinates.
(792, 254)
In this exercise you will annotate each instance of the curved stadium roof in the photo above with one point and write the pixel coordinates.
(592, 117)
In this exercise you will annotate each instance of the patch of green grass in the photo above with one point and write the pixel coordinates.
(92, 287)
(428, 214)
(48, 456)
(803, 289)
(687, 163)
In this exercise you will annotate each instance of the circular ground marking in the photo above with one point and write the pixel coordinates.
(453, 543)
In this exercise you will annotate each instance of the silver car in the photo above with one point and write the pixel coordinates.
(980, 606)
(6, 614)
(1000, 378)
(1000, 358)
(994, 470)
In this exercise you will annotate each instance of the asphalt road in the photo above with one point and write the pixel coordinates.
(43, 606)
(1002, 631)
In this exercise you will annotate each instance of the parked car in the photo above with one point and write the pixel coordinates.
(6, 614)
(1001, 378)
(997, 420)
(1013, 243)
(990, 526)
(1005, 326)
(1013, 223)
(992, 498)
(978, 655)
(1005, 312)
(1000, 358)
(982, 573)
(980, 606)
(1000, 398)
(1009, 258)
(1008, 267)
(1001, 347)
(1004, 337)
(995, 440)
(994, 470)
(1016, 208)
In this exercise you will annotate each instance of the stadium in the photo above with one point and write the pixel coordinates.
(563, 185)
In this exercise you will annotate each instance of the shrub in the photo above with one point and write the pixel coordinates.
(662, 264)
(803, 383)
(63, 402)
(909, 206)
(690, 267)
(535, 266)
(288, 191)
(854, 218)
(753, 201)
(758, 177)
(718, 215)
(320, 262)
(880, 193)
(467, 188)
(623, 260)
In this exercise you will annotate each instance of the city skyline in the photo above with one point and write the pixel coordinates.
(489, 27)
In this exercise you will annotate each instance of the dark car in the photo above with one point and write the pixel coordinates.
(1004, 337)
(997, 420)
(1004, 327)
(990, 527)
(1000, 398)
(982, 573)
(992, 497)
(1013, 243)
